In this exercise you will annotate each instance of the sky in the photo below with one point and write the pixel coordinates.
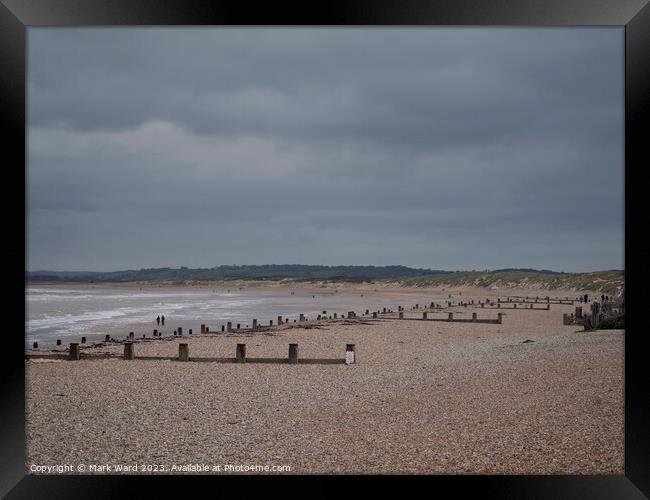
(441, 148)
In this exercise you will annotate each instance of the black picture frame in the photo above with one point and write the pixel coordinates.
(633, 15)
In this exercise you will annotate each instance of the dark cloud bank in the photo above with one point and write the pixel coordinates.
(436, 148)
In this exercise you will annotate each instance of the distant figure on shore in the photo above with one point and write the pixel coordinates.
(158, 320)
(586, 298)
(163, 319)
(602, 298)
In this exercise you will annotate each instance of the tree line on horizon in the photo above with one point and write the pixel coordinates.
(268, 271)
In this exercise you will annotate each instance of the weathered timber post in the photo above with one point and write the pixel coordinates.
(473, 316)
(238, 326)
(183, 352)
(223, 328)
(131, 335)
(230, 326)
(401, 315)
(190, 331)
(374, 314)
(270, 322)
(180, 331)
(155, 333)
(279, 320)
(302, 317)
(293, 353)
(531, 305)
(515, 306)
(254, 324)
(450, 317)
(75, 352)
(498, 305)
(350, 354)
(202, 328)
(129, 352)
(424, 315)
(500, 318)
(548, 307)
(482, 305)
(207, 329)
(240, 353)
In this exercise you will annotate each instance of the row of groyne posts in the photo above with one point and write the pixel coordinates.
(599, 311)
(240, 356)
(350, 352)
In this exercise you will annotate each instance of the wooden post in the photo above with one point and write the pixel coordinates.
(58, 341)
(240, 353)
(531, 305)
(190, 331)
(128, 351)
(293, 353)
(254, 324)
(202, 328)
(229, 326)
(335, 315)
(473, 316)
(223, 328)
(401, 315)
(279, 320)
(482, 305)
(450, 317)
(35, 345)
(548, 307)
(155, 333)
(75, 352)
(180, 331)
(424, 315)
(238, 326)
(350, 354)
(271, 322)
(131, 335)
(183, 352)
(499, 305)
(565, 319)
(302, 317)
(83, 340)
(500, 318)
(515, 306)
(374, 314)
(207, 329)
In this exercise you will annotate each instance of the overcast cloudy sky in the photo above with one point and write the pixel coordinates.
(441, 148)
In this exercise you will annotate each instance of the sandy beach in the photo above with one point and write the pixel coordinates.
(528, 396)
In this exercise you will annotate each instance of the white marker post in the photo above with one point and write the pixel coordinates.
(350, 354)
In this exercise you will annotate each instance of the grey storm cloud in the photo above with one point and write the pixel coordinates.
(459, 148)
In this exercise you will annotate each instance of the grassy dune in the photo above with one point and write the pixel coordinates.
(609, 282)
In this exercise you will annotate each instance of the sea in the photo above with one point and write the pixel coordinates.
(67, 312)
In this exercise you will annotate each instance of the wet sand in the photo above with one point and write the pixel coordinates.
(528, 396)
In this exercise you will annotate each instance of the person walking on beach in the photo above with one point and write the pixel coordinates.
(158, 320)
(163, 319)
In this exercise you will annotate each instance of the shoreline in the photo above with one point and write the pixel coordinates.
(527, 396)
